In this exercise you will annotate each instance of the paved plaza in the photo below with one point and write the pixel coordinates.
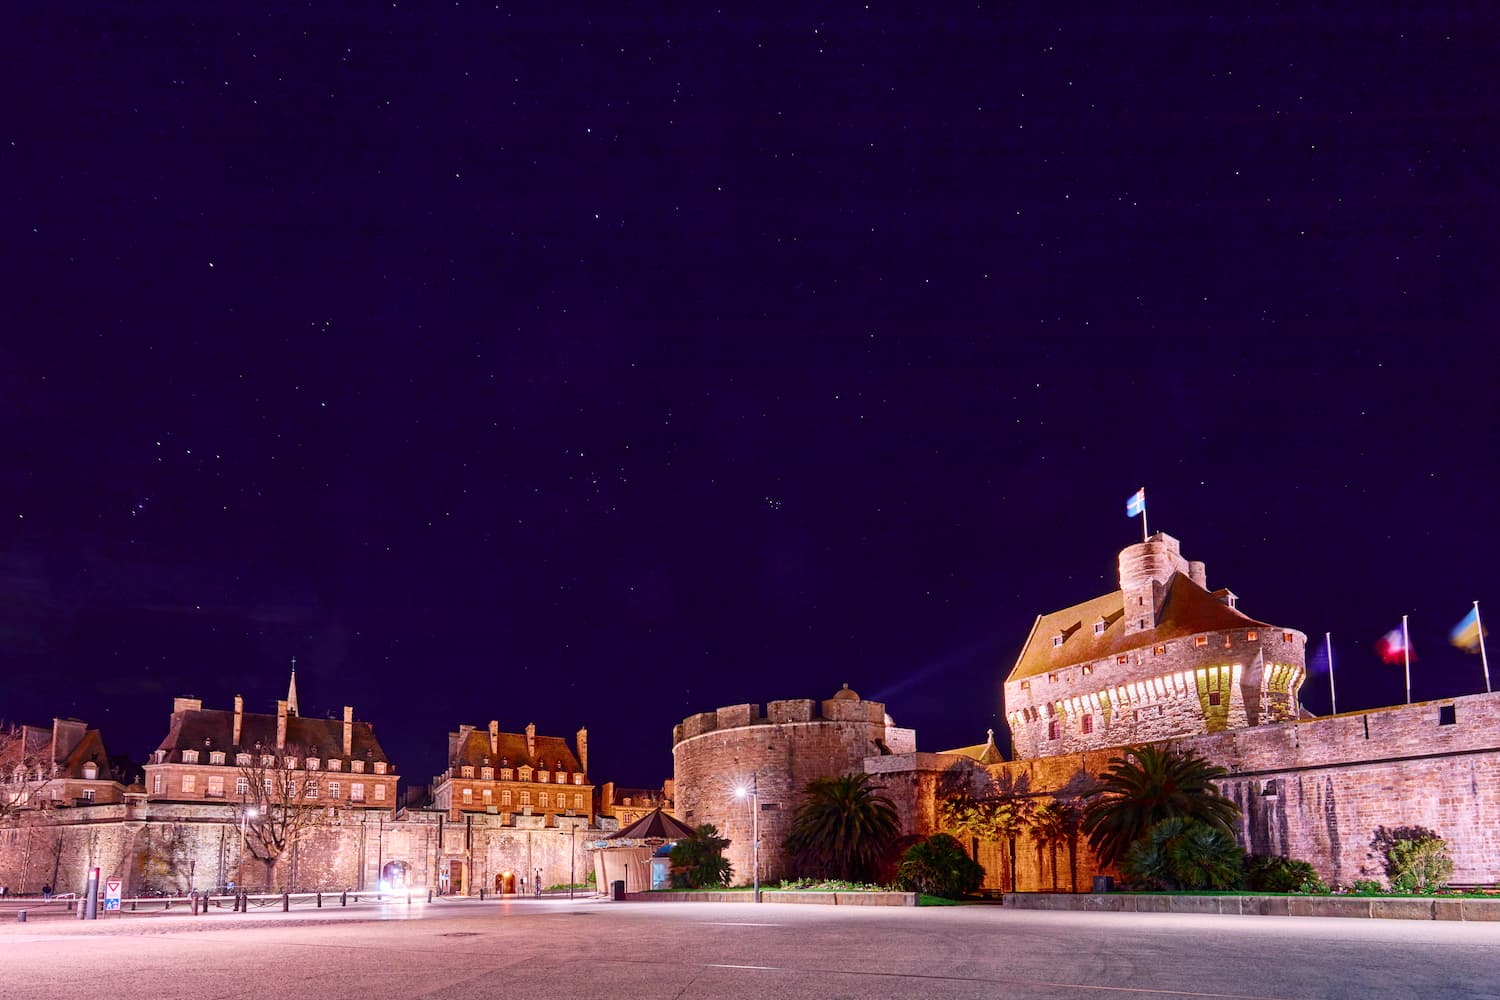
(557, 948)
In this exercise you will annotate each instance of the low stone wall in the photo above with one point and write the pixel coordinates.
(784, 896)
(1379, 907)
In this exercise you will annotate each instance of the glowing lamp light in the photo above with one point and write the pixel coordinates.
(741, 791)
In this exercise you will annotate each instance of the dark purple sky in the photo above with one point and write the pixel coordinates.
(599, 371)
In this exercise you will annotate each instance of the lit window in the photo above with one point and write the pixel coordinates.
(1099, 628)
(1158, 650)
(578, 803)
(1025, 685)
(311, 790)
(267, 760)
(489, 796)
(468, 794)
(1286, 637)
(1214, 697)
(467, 771)
(380, 767)
(269, 787)
(505, 774)
(333, 789)
(357, 791)
(578, 778)
(1088, 669)
(541, 776)
(90, 771)
(217, 757)
(505, 796)
(242, 760)
(189, 783)
(242, 787)
(380, 792)
(487, 773)
(357, 766)
(1122, 658)
(156, 784)
(190, 756)
(334, 764)
(1052, 678)
(1054, 729)
(526, 797)
(1200, 641)
(88, 795)
(216, 787)
(312, 763)
(1252, 635)
(1088, 723)
(542, 800)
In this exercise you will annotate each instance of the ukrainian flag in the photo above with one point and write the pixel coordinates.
(1469, 633)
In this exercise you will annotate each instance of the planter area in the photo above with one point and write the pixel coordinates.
(1377, 907)
(783, 896)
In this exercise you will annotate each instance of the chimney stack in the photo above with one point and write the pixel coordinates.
(348, 730)
(239, 718)
(494, 739)
(583, 750)
(530, 741)
(281, 725)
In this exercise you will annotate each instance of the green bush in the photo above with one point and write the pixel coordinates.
(1314, 887)
(938, 866)
(1366, 887)
(699, 861)
(1420, 865)
(1272, 873)
(1183, 853)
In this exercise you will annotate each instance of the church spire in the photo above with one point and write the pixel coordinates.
(291, 691)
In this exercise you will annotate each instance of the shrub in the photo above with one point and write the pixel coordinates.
(1272, 873)
(1183, 853)
(699, 860)
(1366, 887)
(1314, 887)
(938, 866)
(1420, 865)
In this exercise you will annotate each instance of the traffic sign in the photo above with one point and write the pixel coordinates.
(112, 893)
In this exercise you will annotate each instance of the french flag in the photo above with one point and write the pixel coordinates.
(1392, 647)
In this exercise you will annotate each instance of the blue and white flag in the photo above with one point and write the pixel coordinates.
(1136, 505)
(1468, 634)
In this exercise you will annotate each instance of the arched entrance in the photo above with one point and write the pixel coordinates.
(505, 883)
(395, 875)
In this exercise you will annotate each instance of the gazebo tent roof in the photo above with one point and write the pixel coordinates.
(655, 825)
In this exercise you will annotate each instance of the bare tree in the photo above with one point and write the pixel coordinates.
(25, 768)
(279, 806)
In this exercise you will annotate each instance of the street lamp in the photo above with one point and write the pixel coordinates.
(246, 813)
(753, 792)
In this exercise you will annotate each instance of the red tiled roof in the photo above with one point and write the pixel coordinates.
(1187, 610)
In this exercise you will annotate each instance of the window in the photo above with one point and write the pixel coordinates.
(1052, 678)
(357, 766)
(216, 787)
(578, 803)
(242, 760)
(467, 771)
(190, 756)
(1099, 628)
(291, 790)
(526, 797)
(189, 782)
(334, 764)
(1447, 715)
(312, 763)
(1025, 685)
(90, 771)
(1054, 729)
(1214, 697)
(578, 778)
(505, 796)
(268, 787)
(380, 767)
(489, 796)
(1252, 636)
(1158, 650)
(217, 757)
(357, 792)
(380, 792)
(88, 795)
(468, 794)
(487, 773)
(1199, 641)
(242, 787)
(541, 776)
(1088, 669)
(1286, 637)
(311, 790)
(156, 784)
(505, 774)
(1122, 658)
(542, 801)
(1088, 723)
(1057, 640)
(333, 790)
(267, 760)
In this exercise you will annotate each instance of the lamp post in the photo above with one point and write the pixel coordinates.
(572, 858)
(753, 792)
(245, 813)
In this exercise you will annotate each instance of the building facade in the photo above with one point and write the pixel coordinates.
(515, 774)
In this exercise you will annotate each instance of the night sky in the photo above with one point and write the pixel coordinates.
(597, 371)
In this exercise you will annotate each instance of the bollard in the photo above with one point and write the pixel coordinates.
(286, 902)
(132, 906)
(481, 895)
(408, 898)
(20, 916)
(344, 898)
(194, 900)
(429, 895)
(320, 899)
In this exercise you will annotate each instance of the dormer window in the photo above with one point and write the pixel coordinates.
(1099, 627)
(466, 771)
(1252, 636)
(335, 764)
(487, 773)
(217, 757)
(90, 771)
(357, 766)
(380, 767)
(1057, 640)
(506, 774)
(241, 760)
(578, 778)
(312, 763)
(267, 760)
(541, 776)
(190, 756)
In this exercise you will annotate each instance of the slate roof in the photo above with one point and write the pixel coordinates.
(208, 730)
(90, 748)
(1187, 610)
(512, 747)
(655, 825)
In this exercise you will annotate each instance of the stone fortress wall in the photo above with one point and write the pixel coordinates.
(779, 751)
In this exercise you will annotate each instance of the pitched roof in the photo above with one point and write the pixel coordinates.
(552, 752)
(984, 753)
(655, 825)
(89, 749)
(1187, 609)
(209, 729)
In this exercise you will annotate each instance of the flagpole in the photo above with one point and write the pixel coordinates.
(1406, 654)
(1145, 535)
(1483, 657)
(1332, 695)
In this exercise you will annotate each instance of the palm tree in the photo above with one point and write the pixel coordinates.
(844, 827)
(1005, 819)
(1145, 786)
(1053, 825)
(1182, 853)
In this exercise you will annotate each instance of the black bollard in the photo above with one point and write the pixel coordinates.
(481, 895)
(429, 895)
(320, 899)
(286, 902)
(20, 916)
(344, 898)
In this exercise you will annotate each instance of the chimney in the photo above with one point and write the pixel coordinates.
(530, 741)
(281, 725)
(583, 750)
(494, 739)
(66, 735)
(348, 730)
(239, 718)
(186, 705)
